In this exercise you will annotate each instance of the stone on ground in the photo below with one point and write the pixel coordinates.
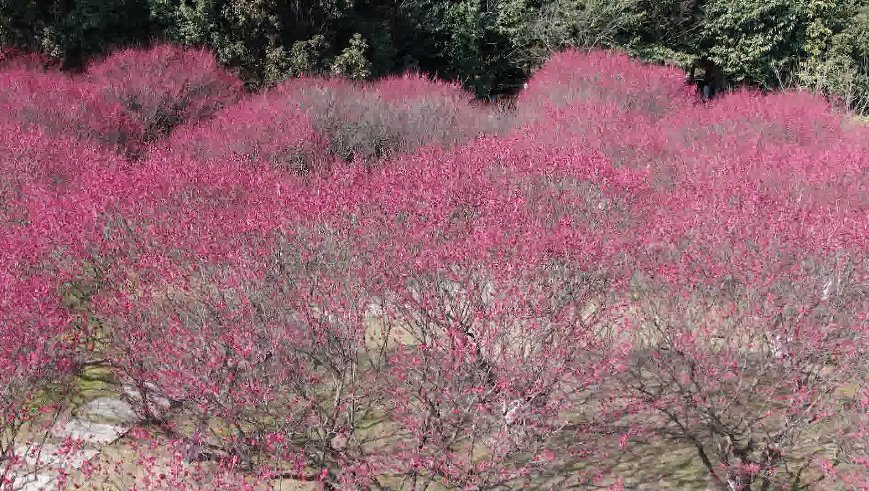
(34, 482)
(91, 433)
(108, 410)
(51, 457)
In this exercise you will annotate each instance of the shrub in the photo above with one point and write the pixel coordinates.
(306, 57)
(352, 63)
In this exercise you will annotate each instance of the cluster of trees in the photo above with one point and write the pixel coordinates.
(490, 46)
(388, 286)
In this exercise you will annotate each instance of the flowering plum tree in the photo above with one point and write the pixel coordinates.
(391, 116)
(599, 77)
(44, 214)
(263, 129)
(499, 300)
(64, 106)
(164, 86)
(747, 301)
(753, 320)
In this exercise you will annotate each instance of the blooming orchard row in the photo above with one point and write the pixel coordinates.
(390, 286)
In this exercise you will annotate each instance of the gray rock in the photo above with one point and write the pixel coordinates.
(49, 457)
(34, 482)
(108, 410)
(91, 433)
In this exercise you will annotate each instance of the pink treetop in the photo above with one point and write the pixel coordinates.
(265, 129)
(65, 106)
(164, 86)
(573, 76)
